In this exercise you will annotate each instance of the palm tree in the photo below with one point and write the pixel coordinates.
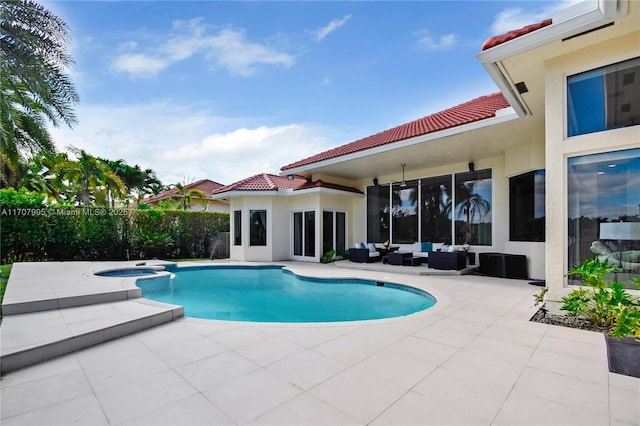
(91, 179)
(470, 204)
(33, 85)
(40, 176)
(188, 194)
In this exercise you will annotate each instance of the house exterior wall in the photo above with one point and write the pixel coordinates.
(559, 148)
(279, 219)
(527, 156)
(299, 203)
(246, 252)
(523, 156)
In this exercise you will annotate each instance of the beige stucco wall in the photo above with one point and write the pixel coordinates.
(279, 215)
(559, 147)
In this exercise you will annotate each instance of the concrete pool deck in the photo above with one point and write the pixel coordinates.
(474, 358)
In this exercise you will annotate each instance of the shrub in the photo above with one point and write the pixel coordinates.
(33, 231)
(606, 305)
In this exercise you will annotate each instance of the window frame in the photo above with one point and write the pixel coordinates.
(257, 240)
(237, 227)
(582, 76)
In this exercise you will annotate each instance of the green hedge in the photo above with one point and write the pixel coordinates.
(30, 230)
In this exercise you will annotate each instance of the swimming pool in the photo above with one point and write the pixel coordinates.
(273, 294)
(129, 272)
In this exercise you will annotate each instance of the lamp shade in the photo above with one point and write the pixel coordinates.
(620, 231)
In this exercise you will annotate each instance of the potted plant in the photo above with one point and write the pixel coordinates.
(608, 307)
(328, 257)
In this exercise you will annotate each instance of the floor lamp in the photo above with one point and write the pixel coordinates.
(620, 231)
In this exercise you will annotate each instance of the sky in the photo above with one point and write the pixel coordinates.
(226, 90)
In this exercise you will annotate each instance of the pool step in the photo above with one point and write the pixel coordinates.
(29, 338)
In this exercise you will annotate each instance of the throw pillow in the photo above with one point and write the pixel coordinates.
(372, 247)
(426, 247)
(362, 245)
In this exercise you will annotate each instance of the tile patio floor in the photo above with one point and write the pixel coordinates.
(473, 359)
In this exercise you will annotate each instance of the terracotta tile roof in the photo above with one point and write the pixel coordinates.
(269, 182)
(499, 39)
(263, 182)
(321, 184)
(475, 110)
(205, 185)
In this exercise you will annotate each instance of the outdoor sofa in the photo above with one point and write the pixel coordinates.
(365, 253)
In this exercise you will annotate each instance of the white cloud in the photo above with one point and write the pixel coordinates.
(230, 49)
(227, 48)
(335, 24)
(139, 65)
(180, 143)
(445, 42)
(514, 18)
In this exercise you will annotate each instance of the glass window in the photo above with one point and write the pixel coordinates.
(237, 228)
(310, 233)
(435, 214)
(334, 229)
(341, 232)
(473, 208)
(527, 207)
(327, 231)
(604, 98)
(304, 233)
(404, 213)
(378, 211)
(258, 228)
(297, 234)
(603, 188)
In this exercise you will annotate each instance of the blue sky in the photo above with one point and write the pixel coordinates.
(225, 90)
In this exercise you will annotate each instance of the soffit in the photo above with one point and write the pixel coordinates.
(481, 143)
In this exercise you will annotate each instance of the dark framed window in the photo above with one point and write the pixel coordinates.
(258, 228)
(341, 232)
(404, 212)
(310, 233)
(298, 235)
(378, 213)
(604, 98)
(237, 227)
(527, 206)
(327, 231)
(304, 233)
(435, 194)
(473, 207)
(334, 231)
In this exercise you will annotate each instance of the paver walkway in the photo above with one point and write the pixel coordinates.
(473, 359)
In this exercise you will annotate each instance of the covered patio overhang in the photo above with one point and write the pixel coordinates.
(466, 143)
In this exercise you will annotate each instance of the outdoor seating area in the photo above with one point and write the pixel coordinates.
(367, 254)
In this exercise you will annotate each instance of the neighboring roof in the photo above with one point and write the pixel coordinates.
(269, 182)
(205, 185)
(499, 39)
(475, 110)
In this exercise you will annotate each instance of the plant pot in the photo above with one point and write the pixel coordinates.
(624, 355)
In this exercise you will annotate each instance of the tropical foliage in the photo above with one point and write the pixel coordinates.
(33, 230)
(188, 195)
(34, 87)
(606, 305)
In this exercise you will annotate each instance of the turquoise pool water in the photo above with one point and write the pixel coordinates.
(271, 294)
(127, 273)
